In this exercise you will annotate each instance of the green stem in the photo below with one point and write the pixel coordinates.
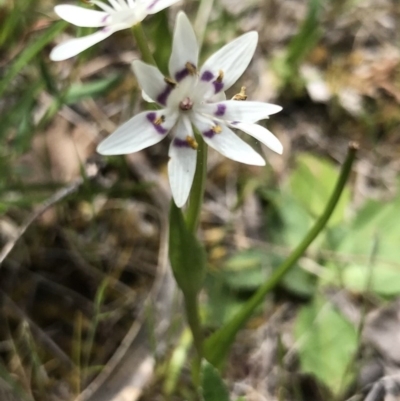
(143, 44)
(193, 319)
(192, 221)
(217, 346)
(197, 192)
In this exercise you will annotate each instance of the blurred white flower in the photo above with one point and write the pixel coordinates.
(195, 97)
(115, 16)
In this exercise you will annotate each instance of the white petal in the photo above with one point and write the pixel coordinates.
(237, 110)
(218, 97)
(80, 16)
(154, 6)
(182, 163)
(123, 4)
(75, 46)
(231, 60)
(136, 134)
(184, 47)
(261, 134)
(151, 81)
(146, 97)
(105, 7)
(115, 4)
(227, 142)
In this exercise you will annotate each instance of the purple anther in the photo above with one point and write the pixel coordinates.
(181, 143)
(218, 86)
(207, 76)
(163, 96)
(221, 108)
(209, 134)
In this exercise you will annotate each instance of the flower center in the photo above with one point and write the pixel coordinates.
(186, 104)
(128, 17)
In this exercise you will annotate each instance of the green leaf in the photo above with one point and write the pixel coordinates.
(213, 387)
(372, 240)
(78, 92)
(310, 31)
(312, 183)
(222, 302)
(29, 52)
(187, 256)
(383, 280)
(176, 362)
(19, 116)
(15, 388)
(248, 269)
(327, 345)
(294, 218)
(308, 35)
(159, 30)
(299, 282)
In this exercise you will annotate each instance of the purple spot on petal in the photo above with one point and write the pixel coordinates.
(181, 74)
(181, 143)
(163, 96)
(160, 129)
(207, 76)
(209, 134)
(106, 29)
(105, 18)
(218, 86)
(221, 108)
(152, 118)
(151, 5)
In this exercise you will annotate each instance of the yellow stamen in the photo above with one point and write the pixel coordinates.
(191, 68)
(220, 76)
(242, 95)
(159, 120)
(170, 81)
(217, 129)
(192, 142)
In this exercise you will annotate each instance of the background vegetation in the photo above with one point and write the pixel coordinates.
(83, 237)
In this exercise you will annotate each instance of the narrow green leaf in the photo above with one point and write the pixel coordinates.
(78, 92)
(30, 52)
(309, 33)
(213, 387)
(160, 32)
(186, 254)
(15, 389)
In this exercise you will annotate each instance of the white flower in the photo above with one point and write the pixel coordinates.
(115, 16)
(195, 97)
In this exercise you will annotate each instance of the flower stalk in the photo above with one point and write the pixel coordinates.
(142, 43)
(197, 193)
(217, 346)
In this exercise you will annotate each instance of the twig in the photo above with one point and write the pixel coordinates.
(40, 335)
(55, 198)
